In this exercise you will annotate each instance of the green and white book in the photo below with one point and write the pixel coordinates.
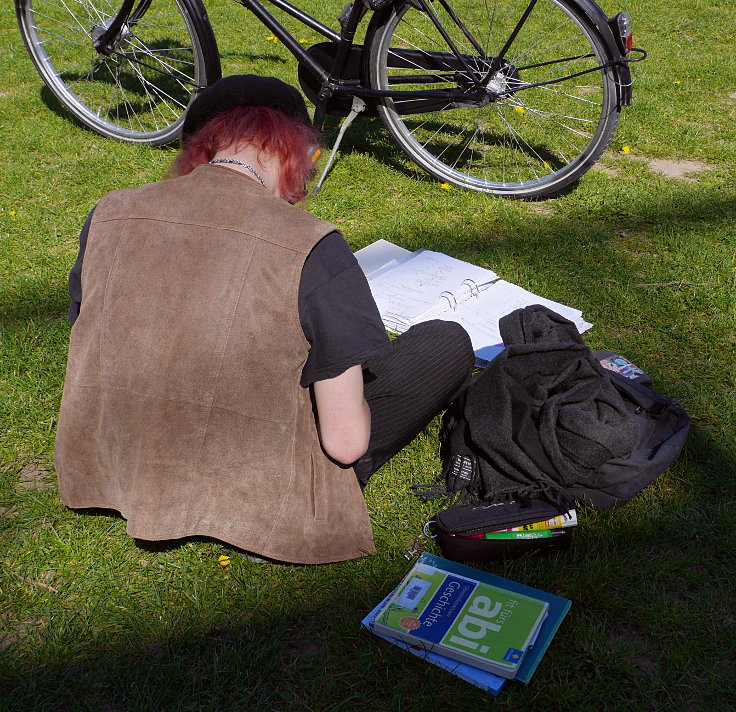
(468, 620)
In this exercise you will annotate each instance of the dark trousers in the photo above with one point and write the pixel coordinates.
(407, 385)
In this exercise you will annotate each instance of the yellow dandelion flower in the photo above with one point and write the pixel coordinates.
(677, 81)
(11, 212)
(445, 186)
(272, 38)
(303, 41)
(223, 560)
(626, 149)
(547, 164)
(520, 110)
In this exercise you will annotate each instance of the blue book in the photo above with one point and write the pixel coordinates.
(480, 678)
(556, 611)
(488, 681)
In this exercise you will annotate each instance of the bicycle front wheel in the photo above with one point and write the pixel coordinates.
(537, 124)
(140, 90)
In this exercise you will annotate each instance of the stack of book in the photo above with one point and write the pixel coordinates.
(483, 628)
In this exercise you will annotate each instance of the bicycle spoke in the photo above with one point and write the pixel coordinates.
(140, 87)
(468, 145)
(154, 107)
(73, 16)
(73, 28)
(567, 140)
(525, 134)
(527, 149)
(556, 90)
(56, 36)
(514, 144)
(164, 59)
(538, 39)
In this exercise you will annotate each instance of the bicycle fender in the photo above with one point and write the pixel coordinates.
(600, 22)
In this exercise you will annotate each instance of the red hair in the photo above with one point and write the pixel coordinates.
(269, 130)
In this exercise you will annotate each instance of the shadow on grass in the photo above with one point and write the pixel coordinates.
(267, 660)
(578, 245)
(647, 582)
(369, 135)
(34, 299)
(365, 135)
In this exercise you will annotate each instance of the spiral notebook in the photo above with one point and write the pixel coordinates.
(412, 287)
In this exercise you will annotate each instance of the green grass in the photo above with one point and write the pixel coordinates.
(92, 620)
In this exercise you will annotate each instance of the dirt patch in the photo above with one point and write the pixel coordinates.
(298, 648)
(542, 209)
(607, 169)
(8, 639)
(640, 646)
(15, 630)
(681, 170)
(34, 476)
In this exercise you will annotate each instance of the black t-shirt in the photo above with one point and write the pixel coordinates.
(337, 312)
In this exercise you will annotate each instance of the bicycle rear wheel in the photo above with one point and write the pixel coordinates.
(518, 140)
(140, 91)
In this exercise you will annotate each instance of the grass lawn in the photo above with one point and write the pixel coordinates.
(644, 244)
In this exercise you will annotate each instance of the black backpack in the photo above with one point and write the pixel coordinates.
(551, 420)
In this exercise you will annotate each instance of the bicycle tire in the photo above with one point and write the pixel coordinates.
(530, 143)
(138, 93)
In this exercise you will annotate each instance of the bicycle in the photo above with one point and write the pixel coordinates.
(510, 97)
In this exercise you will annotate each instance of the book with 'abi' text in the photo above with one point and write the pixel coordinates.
(487, 626)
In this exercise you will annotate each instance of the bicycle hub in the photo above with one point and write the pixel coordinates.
(107, 48)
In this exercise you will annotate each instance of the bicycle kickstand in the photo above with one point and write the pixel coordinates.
(357, 107)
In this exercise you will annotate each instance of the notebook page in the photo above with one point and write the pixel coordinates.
(379, 255)
(480, 315)
(413, 290)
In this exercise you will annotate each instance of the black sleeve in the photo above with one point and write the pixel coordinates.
(75, 276)
(338, 315)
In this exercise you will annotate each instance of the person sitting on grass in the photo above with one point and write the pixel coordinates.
(228, 374)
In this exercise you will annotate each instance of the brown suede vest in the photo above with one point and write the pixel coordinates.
(182, 407)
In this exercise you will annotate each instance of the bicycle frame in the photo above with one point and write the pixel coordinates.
(332, 81)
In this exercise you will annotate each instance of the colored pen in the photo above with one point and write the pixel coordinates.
(538, 534)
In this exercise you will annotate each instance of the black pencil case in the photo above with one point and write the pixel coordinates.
(454, 529)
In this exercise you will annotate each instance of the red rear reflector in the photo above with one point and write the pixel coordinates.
(623, 23)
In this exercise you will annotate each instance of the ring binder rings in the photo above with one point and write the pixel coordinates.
(412, 287)
(474, 288)
(451, 299)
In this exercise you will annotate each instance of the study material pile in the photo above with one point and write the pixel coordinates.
(482, 628)
(412, 287)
